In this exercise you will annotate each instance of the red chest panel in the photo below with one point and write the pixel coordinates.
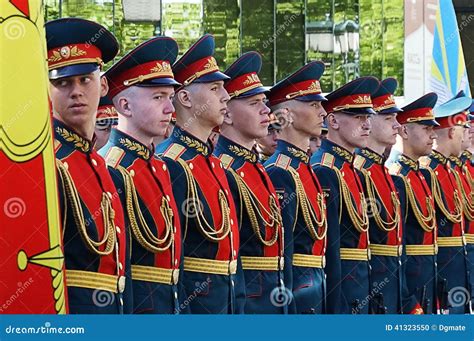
(210, 178)
(355, 188)
(92, 179)
(384, 186)
(152, 183)
(256, 178)
(312, 189)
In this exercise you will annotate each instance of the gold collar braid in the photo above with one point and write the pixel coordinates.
(148, 241)
(108, 214)
(252, 205)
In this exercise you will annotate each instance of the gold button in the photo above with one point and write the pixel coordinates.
(153, 169)
(400, 250)
(175, 262)
(226, 192)
(234, 253)
(175, 277)
(94, 162)
(323, 261)
(132, 173)
(212, 164)
(220, 164)
(120, 266)
(191, 165)
(281, 263)
(369, 255)
(175, 295)
(121, 284)
(233, 266)
(164, 167)
(231, 221)
(121, 301)
(242, 174)
(118, 229)
(168, 197)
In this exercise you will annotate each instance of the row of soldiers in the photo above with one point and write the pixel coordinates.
(185, 227)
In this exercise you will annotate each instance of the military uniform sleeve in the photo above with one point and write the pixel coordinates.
(128, 293)
(286, 191)
(329, 183)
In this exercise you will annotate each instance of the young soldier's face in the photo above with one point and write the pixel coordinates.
(384, 129)
(308, 116)
(209, 102)
(421, 138)
(268, 143)
(250, 116)
(75, 99)
(354, 129)
(151, 109)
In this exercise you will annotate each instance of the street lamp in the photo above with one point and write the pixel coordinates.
(320, 35)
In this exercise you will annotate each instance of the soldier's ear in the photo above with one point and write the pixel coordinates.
(403, 131)
(332, 121)
(183, 97)
(228, 118)
(123, 106)
(452, 132)
(104, 86)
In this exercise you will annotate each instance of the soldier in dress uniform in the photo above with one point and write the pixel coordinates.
(266, 145)
(452, 254)
(93, 229)
(260, 223)
(142, 86)
(207, 211)
(107, 118)
(347, 269)
(387, 275)
(416, 200)
(296, 101)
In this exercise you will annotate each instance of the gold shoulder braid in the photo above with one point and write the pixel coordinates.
(299, 154)
(360, 221)
(209, 232)
(252, 204)
(148, 241)
(309, 215)
(392, 222)
(428, 222)
(108, 214)
(454, 217)
(467, 199)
